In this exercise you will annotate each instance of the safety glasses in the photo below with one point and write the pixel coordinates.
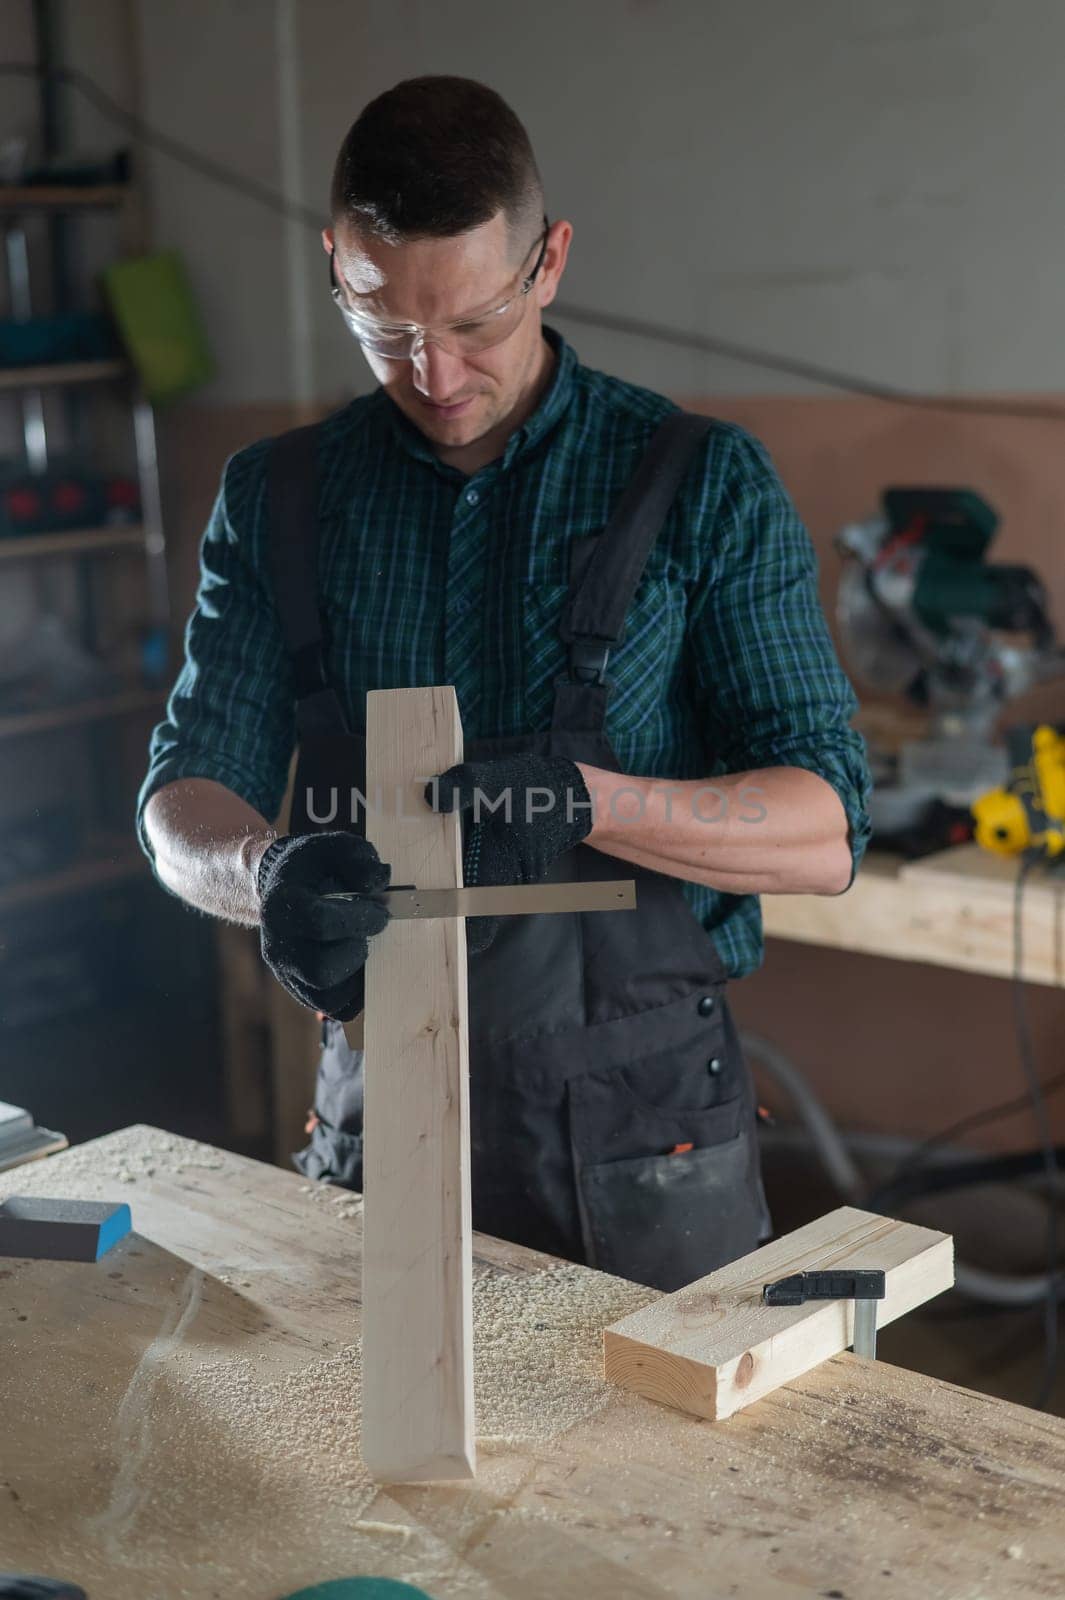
(467, 337)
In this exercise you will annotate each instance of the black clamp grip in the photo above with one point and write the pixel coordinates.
(862, 1284)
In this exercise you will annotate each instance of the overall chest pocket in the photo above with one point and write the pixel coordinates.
(685, 1096)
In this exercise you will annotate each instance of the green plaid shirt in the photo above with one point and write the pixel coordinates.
(428, 576)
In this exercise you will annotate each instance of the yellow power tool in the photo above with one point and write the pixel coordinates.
(1027, 815)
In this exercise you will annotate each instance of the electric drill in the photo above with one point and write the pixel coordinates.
(1027, 815)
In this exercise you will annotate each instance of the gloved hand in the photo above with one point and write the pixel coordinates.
(549, 812)
(317, 948)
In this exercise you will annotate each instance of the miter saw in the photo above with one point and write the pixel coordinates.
(923, 614)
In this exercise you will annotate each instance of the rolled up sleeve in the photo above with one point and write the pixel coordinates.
(769, 687)
(230, 716)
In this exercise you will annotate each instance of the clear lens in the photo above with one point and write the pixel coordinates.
(460, 339)
(464, 339)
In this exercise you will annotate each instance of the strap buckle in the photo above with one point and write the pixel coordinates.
(587, 661)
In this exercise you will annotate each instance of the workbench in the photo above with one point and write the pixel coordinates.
(953, 909)
(180, 1422)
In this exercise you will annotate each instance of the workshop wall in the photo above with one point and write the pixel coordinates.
(873, 187)
(830, 183)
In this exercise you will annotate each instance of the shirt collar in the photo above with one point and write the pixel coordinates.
(552, 407)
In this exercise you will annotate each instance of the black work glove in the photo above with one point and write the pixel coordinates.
(549, 812)
(317, 948)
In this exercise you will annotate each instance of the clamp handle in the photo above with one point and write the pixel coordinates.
(863, 1283)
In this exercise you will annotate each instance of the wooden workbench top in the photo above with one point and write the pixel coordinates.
(953, 909)
(180, 1421)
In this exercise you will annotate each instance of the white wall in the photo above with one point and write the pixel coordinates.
(870, 184)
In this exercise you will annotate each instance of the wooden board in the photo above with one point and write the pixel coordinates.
(976, 870)
(953, 909)
(712, 1348)
(171, 1428)
(417, 1341)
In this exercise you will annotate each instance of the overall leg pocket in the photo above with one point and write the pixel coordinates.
(668, 1220)
(332, 1156)
(335, 1151)
(665, 1171)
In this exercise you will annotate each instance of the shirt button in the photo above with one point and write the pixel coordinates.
(472, 497)
(706, 1005)
(714, 1066)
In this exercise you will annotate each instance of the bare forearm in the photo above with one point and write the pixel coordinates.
(208, 844)
(781, 830)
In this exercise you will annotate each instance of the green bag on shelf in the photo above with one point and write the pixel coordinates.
(153, 303)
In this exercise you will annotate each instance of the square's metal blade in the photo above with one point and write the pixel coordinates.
(511, 900)
(506, 899)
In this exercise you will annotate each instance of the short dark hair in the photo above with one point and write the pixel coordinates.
(434, 157)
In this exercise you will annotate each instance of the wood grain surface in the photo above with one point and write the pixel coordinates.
(417, 1337)
(714, 1347)
(180, 1421)
(952, 909)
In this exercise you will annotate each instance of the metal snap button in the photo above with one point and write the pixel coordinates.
(714, 1066)
(706, 1005)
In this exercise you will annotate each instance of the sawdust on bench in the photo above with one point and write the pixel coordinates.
(258, 1458)
(248, 1459)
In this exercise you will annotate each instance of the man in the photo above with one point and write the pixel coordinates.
(643, 673)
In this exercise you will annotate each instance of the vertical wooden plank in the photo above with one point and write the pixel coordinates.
(417, 1408)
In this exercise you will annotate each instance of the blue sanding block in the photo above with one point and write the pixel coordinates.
(361, 1589)
(61, 1230)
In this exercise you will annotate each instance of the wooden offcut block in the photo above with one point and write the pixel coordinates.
(61, 1230)
(417, 1297)
(712, 1348)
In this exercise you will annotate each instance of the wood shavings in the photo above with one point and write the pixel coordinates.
(124, 1157)
(387, 1530)
(253, 1459)
(258, 1455)
(330, 1197)
(537, 1348)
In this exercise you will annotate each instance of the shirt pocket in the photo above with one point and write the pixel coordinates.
(645, 668)
(543, 655)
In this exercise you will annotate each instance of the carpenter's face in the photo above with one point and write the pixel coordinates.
(453, 291)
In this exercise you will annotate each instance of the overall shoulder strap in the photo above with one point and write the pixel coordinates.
(292, 527)
(593, 620)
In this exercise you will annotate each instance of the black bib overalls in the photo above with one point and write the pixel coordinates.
(612, 1116)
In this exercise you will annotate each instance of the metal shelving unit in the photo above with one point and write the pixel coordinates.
(112, 860)
(57, 374)
(77, 712)
(26, 197)
(75, 541)
(91, 954)
(28, 386)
